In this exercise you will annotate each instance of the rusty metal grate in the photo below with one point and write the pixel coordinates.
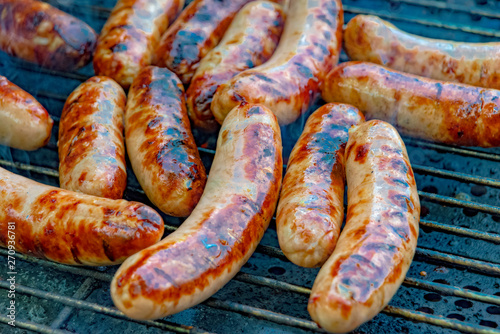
(453, 284)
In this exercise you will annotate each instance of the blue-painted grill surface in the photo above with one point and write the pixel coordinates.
(453, 284)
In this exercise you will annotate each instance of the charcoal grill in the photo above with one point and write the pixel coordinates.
(453, 284)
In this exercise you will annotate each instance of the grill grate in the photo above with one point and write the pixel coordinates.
(455, 274)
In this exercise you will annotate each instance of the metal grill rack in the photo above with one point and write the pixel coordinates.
(453, 284)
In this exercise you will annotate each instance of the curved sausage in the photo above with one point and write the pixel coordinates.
(377, 244)
(24, 122)
(91, 144)
(131, 35)
(72, 228)
(160, 145)
(223, 231)
(372, 39)
(289, 82)
(311, 207)
(439, 111)
(249, 41)
(197, 30)
(39, 33)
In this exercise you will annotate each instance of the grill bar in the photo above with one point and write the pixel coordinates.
(459, 203)
(80, 304)
(34, 326)
(450, 6)
(467, 232)
(487, 181)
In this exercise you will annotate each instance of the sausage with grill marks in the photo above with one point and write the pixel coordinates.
(377, 244)
(369, 38)
(72, 228)
(311, 207)
(249, 41)
(224, 229)
(91, 143)
(160, 145)
(24, 122)
(289, 83)
(131, 35)
(197, 30)
(444, 112)
(39, 33)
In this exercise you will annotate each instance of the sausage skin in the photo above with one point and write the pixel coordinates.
(131, 35)
(197, 30)
(249, 41)
(160, 145)
(289, 82)
(369, 38)
(223, 231)
(39, 33)
(449, 113)
(24, 123)
(377, 244)
(91, 143)
(72, 228)
(311, 206)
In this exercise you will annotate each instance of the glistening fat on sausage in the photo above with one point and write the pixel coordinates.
(249, 41)
(377, 244)
(222, 232)
(131, 35)
(91, 143)
(311, 206)
(369, 38)
(39, 33)
(24, 122)
(72, 228)
(439, 111)
(160, 145)
(290, 81)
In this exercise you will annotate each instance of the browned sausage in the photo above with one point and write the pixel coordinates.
(72, 228)
(372, 39)
(160, 145)
(249, 41)
(223, 231)
(290, 81)
(311, 207)
(24, 123)
(197, 30)
(91, 144)
(444, 112)
(377, 244)
(39, 33)
(131, 35)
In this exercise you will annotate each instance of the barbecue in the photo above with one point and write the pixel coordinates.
(453, 283)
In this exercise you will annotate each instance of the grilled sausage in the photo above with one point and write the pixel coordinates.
(372, 39)
(311, 207)
(377, 244)
(444, 112)
(91, 147)
(289, 82)
(24, 122)
(197, 30)
(223, 231)
(131, 35)
(160, 145)
(39, 33)
(72, 228)
(249, 41)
